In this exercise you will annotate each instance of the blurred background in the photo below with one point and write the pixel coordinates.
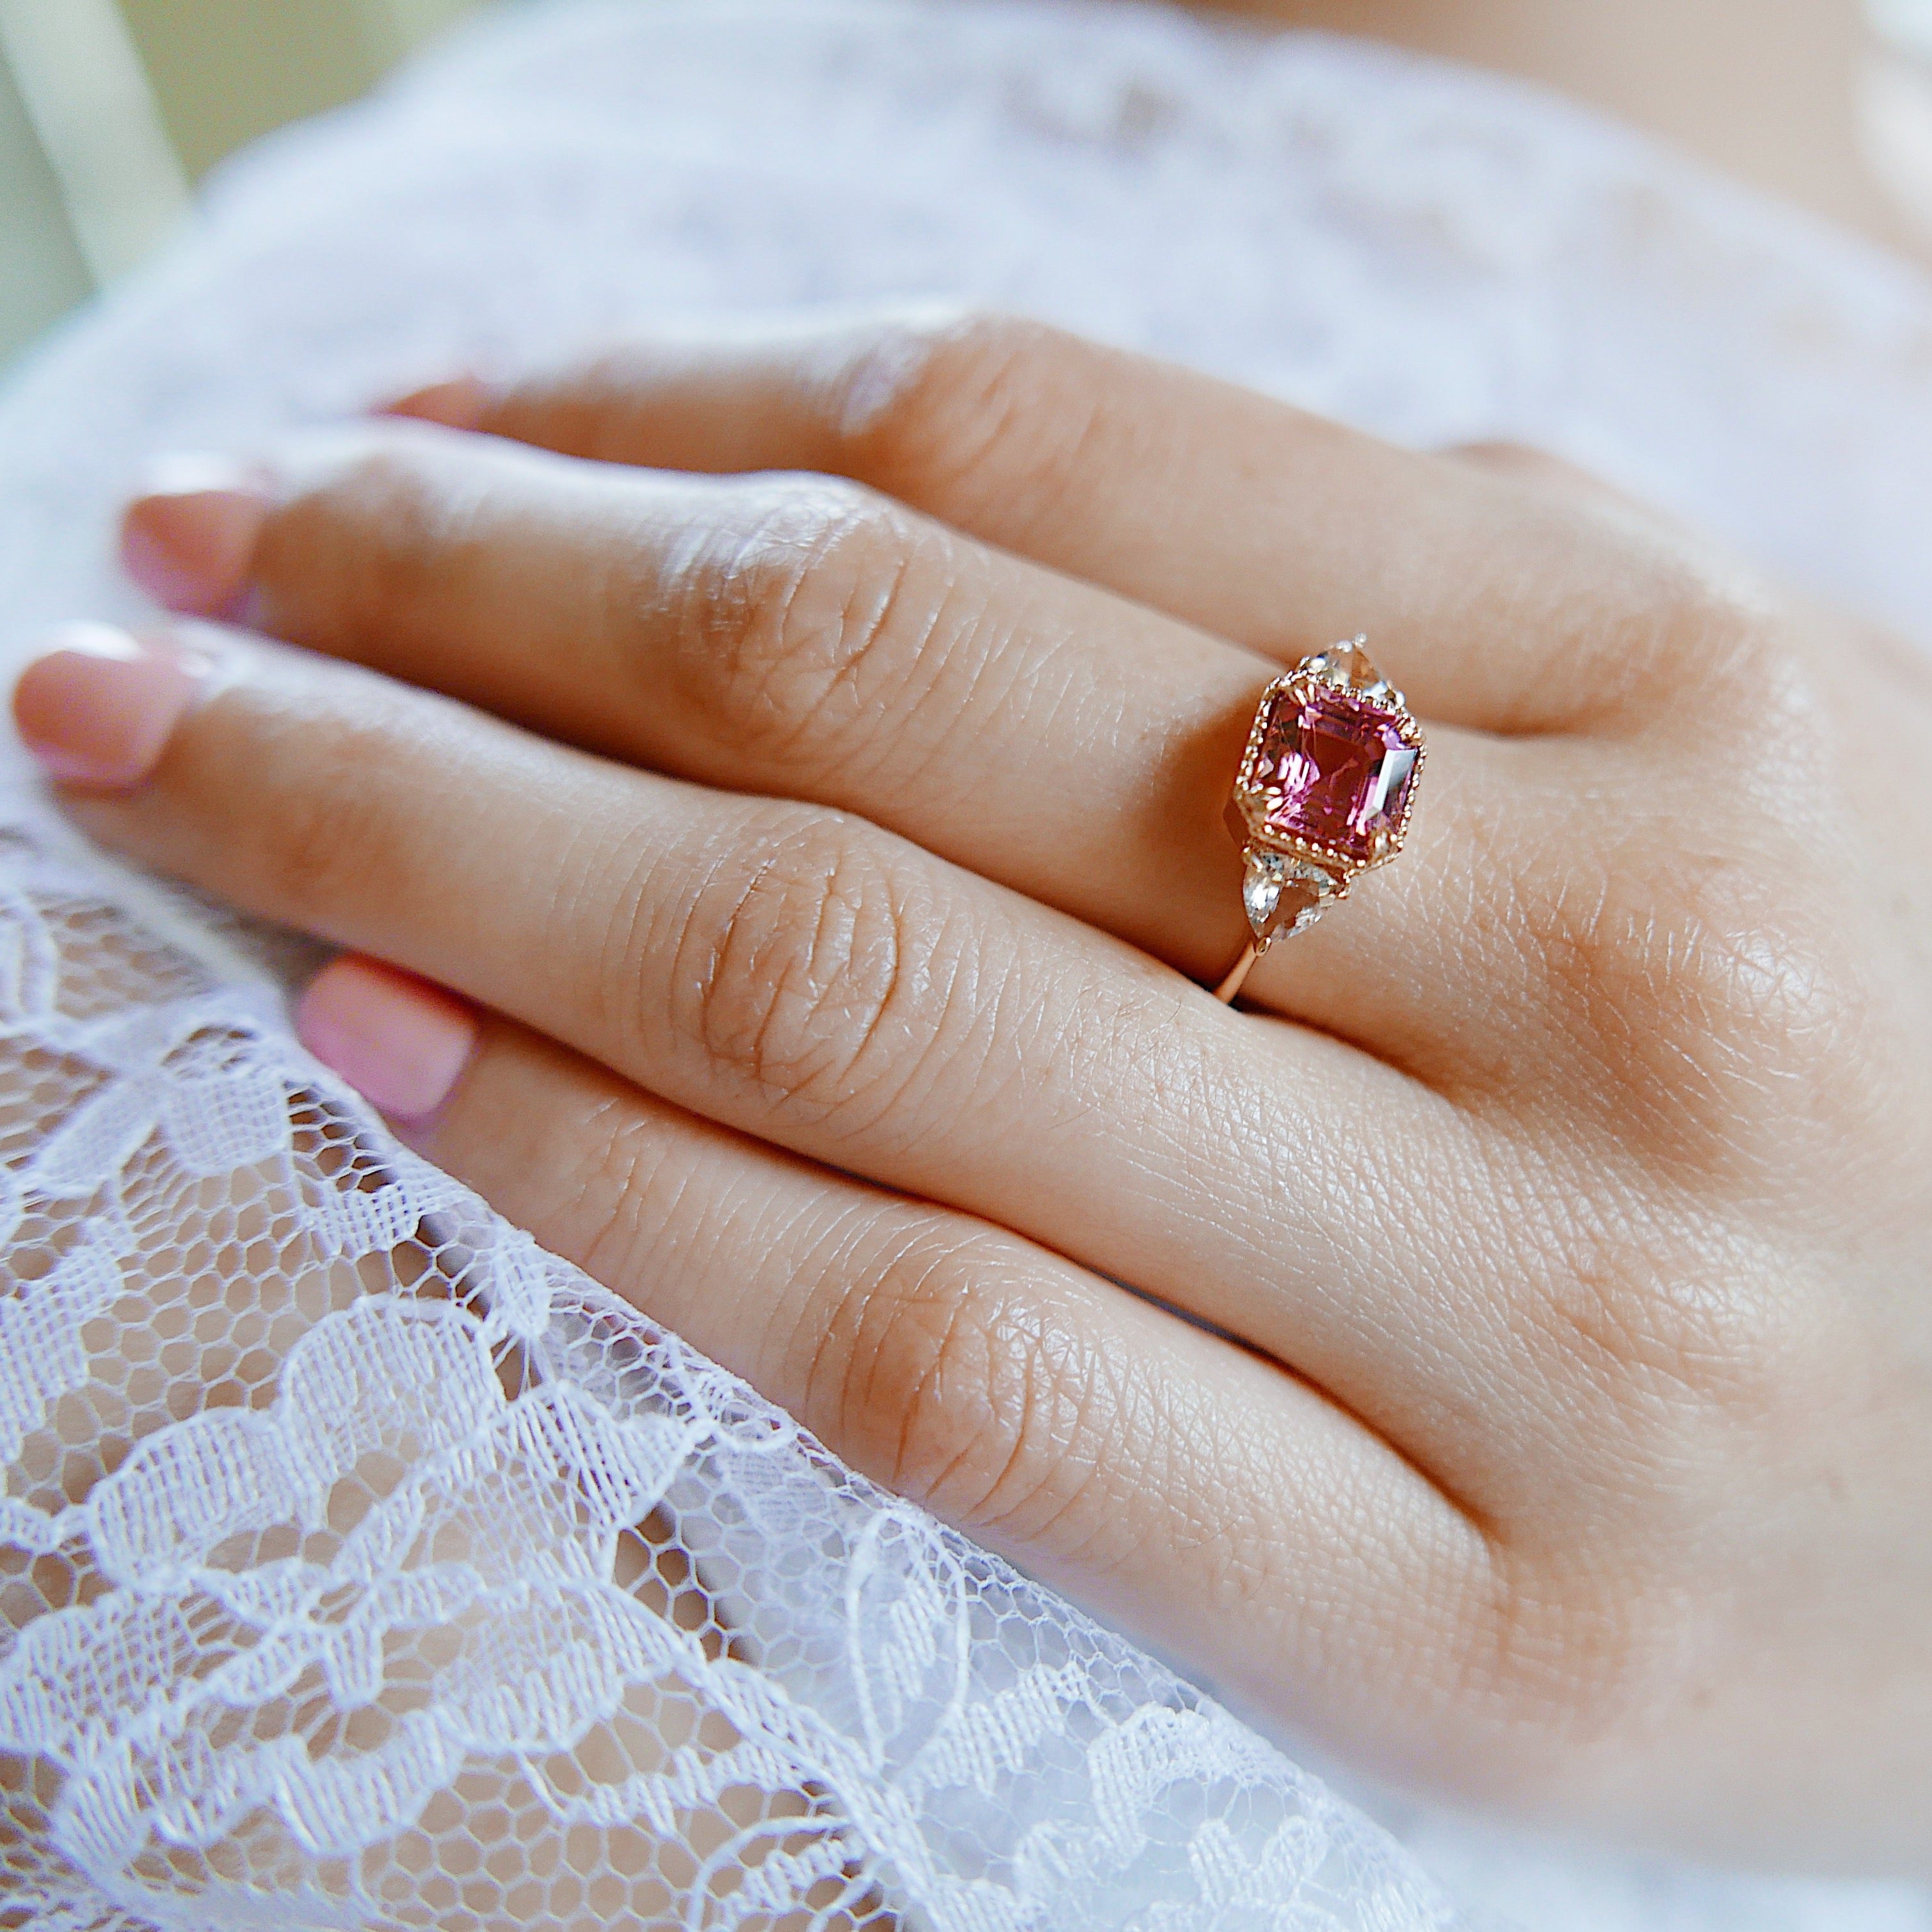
(111, 110)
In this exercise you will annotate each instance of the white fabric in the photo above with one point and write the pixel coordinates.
(362, 1566)
(366, 1567)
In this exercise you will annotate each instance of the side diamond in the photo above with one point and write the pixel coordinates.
(1284, 895)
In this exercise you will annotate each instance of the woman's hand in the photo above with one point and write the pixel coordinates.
(1508, 1355)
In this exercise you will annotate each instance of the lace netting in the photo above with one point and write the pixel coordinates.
(1425, 251)
(363, 1566)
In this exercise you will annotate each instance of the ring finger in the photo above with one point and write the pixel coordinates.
(800, 975)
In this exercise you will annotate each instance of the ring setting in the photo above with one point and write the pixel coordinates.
(1325, 792)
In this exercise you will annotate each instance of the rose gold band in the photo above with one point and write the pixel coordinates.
(1237, 976)
(1324, 793)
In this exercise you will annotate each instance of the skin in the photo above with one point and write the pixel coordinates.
(1502, 1353)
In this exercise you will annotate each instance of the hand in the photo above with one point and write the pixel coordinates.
(1505, 1355)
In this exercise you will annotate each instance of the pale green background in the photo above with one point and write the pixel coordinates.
(221, 72)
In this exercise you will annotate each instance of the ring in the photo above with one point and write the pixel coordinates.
(1324, 792)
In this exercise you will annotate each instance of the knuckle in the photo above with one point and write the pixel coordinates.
(815, 956)
(1563, 1648)
(1700, 993)
(1723, 635)
(1705, 1371)
(327, 821)
(1672, 630)
(955, 408)
(357, 547)
(1676, 1318)
(797, 622)
(1680, 967)
(958, 1389)
(1690, 947)
(1704, 625)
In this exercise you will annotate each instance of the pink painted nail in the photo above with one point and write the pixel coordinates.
(460, 403)
(187, 540)
(97, 707)
(399, 1041)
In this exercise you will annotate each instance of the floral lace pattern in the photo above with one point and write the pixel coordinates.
(365, 1566)
(595, 1637)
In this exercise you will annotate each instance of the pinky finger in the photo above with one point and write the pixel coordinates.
(1185, 1488)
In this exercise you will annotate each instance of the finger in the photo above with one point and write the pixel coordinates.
(1493, 605)
(800, 975)
(815, 640)
(1537, 472)
(1165, 1477)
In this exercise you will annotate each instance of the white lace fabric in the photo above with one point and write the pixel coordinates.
(363, 1567)
(366, 1567)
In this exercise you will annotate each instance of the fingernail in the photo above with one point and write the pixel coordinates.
(188, 538)
(399, 1041)
(460, 403)
(97, 705)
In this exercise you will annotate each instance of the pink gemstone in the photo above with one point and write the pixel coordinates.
(1333, 770)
